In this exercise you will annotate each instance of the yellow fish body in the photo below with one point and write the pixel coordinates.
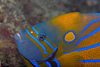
(69, 40)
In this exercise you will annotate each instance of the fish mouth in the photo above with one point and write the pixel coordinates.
(19, 35)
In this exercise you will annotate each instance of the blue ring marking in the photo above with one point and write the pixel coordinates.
(49, 44)
(34, 64)
(96, 13)
(95, 31)
(36, 40)
(67, 33)
(42, 33)
(58, 65)
(48, 64)
(35, 30)
(90, 24)
(90, 61)
(51, 54)
(38, 35)
(85, 48)
(44, 40)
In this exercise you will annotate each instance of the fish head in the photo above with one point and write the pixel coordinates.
(26, 47)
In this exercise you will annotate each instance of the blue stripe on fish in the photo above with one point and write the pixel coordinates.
(90, 24)
(45, 52)
(49, 44)
(48, 64)
(89, 47)
(96, 13)
(35, 30)
(36, 65)
(85, 48)
(44, 40)
(95, 31)
(51, 54)
(58, 65)
(90, 61)
(36, 41)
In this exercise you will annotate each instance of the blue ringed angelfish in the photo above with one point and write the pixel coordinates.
(68, 40)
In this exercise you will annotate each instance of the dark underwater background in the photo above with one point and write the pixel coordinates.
(18, 15)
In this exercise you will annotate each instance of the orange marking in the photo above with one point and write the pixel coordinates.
(69, 37)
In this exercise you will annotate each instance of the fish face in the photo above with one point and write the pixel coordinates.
(26, 47)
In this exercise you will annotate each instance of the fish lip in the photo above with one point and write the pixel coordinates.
(19, 35)
(19, 38)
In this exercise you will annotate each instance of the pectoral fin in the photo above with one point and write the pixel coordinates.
(70, 60)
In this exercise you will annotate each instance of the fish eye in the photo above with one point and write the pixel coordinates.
(19, 36)
(42, 36)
